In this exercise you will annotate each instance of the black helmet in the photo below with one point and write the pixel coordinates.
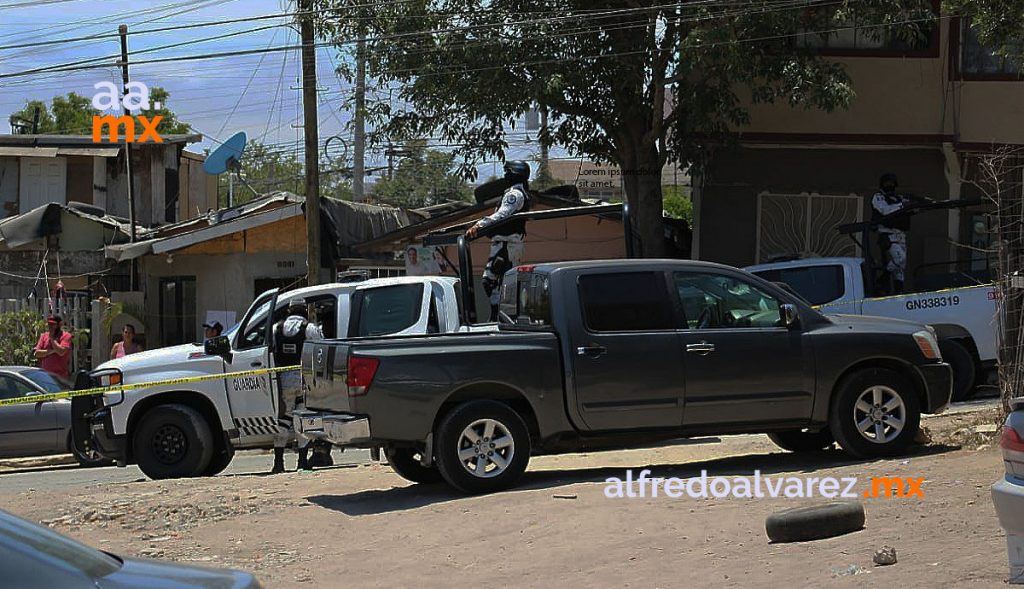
(886, 178)
(518, 170)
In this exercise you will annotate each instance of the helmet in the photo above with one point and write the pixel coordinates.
(297, 305)
(888, 177)
(517, 169)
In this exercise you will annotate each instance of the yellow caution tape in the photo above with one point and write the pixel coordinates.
(142, 385)
(904, 295)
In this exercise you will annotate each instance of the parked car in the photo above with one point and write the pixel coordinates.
(41, 428)
(613, 354)
(34, 557)
(1008, 494)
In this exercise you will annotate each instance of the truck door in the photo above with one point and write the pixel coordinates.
(29, 428)
(253, 399)
(627, 367)
(742, 364)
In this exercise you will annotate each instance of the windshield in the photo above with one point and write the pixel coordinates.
(45, 380)
(18, 535)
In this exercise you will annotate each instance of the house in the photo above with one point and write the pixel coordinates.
(213, 267)
(926, 112)
(170, 184)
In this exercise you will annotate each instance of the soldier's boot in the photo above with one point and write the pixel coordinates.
(303, 459)
(278, 461)
(322, 455)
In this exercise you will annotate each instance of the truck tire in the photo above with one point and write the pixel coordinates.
(815, 522)
(798, 440)
(405, 463)
(172, 441)
(220, 460)
(964, 368)
(482, 447)
(874, 412)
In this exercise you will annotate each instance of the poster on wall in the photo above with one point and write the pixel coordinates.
(426, 261)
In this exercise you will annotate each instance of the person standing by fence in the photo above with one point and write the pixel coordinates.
(127, 345)
(54, 349)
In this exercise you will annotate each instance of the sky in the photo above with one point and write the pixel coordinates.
(257, 94)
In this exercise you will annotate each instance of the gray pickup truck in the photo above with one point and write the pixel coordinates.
(614, 354)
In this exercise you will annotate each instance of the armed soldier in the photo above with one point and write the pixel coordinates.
(507, 241)
(289, 335)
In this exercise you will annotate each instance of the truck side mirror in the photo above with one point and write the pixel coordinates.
(789, 315)
(218, 346)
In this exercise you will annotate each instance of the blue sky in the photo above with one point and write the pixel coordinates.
(211, 95)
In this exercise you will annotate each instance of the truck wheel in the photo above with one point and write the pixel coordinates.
(172, 441)
(801, 440)
(964, 368)
(482, 446)
(875, 412)
(220, 460)
(406, 464)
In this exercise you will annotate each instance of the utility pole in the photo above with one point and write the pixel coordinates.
(312, 136)
(129, 174)
(543, 143)
(359, 139)
(35, 121)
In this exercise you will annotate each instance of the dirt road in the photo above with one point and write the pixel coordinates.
(363, 526)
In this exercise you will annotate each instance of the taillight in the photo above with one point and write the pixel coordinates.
(360, 374)
(1011, 440)
(526, 268)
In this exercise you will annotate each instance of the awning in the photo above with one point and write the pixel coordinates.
(28, 151)
(93, 151)
(129, 251)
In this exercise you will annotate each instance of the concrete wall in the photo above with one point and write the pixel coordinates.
(727, 222)
(224, 282)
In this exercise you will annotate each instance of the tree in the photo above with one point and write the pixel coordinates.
(635, 83)
(424, 177)
(677, 203)
(72, 115)
(267, 170)
(999, 24)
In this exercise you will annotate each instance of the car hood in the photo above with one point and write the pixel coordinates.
(879, 324)
(153, 574)
(187, 357)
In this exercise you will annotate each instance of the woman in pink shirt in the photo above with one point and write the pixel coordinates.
(127, 345)
(53, 349)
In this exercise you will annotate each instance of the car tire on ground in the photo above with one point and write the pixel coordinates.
(172, 441)
(406, 464)
(815, 522)
(86, 459)
(482, 447)
(220, 460)
(874, 412)
(964, 368)
(802, 440)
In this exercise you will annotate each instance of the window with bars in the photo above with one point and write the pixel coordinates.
(805, 225)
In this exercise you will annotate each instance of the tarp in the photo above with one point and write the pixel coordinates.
(45, 220)
(350, 223)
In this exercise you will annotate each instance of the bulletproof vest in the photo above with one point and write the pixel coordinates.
(901, 222)
(289, 335)
(517, 227)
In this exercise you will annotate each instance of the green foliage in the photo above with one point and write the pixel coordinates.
(637, 83)
(423, 178)
(72, 115)
(998, 23)
(20, 331)
(266, 170)
(115, 310)
(677, 203)
(169, 125)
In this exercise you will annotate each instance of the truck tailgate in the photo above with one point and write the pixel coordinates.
(323, 375)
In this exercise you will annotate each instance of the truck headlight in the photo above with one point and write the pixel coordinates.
(928, 345)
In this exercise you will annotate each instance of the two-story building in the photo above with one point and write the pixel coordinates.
(926, 112)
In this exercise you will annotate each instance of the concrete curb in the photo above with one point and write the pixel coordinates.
(37, 461)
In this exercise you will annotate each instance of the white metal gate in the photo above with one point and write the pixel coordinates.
(805, 225)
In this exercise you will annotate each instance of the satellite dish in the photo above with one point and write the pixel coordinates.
(227, 156)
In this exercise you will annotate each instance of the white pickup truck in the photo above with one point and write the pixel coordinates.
(193, 429)
(964, 318)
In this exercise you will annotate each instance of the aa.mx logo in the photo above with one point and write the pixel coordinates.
(136, 98)
(895, 487)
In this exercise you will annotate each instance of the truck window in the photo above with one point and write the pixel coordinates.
(817, 284)
(715, 301)
(387, 309)
(527, 299)
(628, 301)
(253, 332)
